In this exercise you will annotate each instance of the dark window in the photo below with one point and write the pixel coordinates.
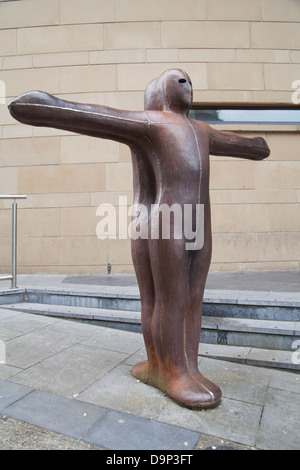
(246, 115)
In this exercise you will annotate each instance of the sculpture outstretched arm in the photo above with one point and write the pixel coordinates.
(37, 108)
(233, 145)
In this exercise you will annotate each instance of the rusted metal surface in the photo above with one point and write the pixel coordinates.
(170, 156)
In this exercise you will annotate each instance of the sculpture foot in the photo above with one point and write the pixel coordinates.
(194, 392)
(140, 371)
(195, 396)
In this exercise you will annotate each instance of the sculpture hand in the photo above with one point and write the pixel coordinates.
(33, 107)
(41, 109)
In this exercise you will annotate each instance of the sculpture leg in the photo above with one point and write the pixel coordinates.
(176, 327)
(198, 273)
(142, 266)
(199, 262)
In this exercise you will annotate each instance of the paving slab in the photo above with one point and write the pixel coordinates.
(256, 281)
(120, 431)
(9, 393)
(32, 348)
(282, 407)
(118, 390)
(238, 381)
(116, 340)
(138, 356)
(71, 371)
(15, 324)
(69, 417)
(232, 419)
(102, 279)
(239, 286)
(284, 399)
(7, 371)
(240, 353)
(274, 358)
(282, 380)
(82, 330)
(62, 363)
(4, 313)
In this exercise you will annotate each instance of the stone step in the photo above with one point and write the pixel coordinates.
(220, 305)
(278, 359)
(131, 321)
(289, 311)
(104, 300)
(8, 296)
(291, 328)
(264, 334)
(88, 314)
(250, 332)
(255, 305)
(248, 324)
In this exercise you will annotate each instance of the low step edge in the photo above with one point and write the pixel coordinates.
(114, 318)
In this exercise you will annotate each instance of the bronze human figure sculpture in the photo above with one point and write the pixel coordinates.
(170, 155)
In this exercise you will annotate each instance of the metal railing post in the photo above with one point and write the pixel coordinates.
(14, 207)
(14, 246)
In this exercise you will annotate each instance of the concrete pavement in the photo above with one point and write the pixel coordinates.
(72, 382)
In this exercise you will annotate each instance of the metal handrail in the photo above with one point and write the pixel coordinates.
(13, 276)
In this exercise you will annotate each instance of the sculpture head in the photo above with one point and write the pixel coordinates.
(172, 91)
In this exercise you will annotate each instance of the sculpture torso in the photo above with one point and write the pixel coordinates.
(171, 163)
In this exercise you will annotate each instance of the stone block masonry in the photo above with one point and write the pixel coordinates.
(106, 51)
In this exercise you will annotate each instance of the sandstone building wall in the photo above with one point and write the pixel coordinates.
(106, 51)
